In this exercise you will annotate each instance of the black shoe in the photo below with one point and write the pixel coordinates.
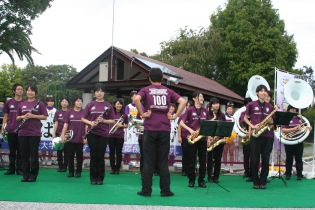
(209, 179)
(287, 177)
(202, 184)
(99, 182)
(24, 179)
(191, 184)
(245, 175)
(19, 172)
(116, 172)
(256, 186)
(9, 173)
(262, 187)
(31, 179)
(167, 194)
(59, 170)
(70, 174)
(299, 178)
(112, 172)
(146, 194)
(250, 179)
(215, 180)
(77, 175)
(93, 181)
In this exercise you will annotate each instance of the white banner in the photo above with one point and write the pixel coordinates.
(282, 79)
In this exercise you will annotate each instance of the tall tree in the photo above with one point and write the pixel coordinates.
(253, 41)
(15, 26)
(192, 50)
(8, 76)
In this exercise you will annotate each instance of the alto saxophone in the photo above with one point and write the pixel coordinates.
(216, 141)
(263, 126)
(194, 138)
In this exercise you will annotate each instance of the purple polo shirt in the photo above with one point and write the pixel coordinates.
(73, 119)
(119, 133)
(158, 98)
(93, 110)
(242, 122)
(31, 127)
(258, 113)
(10, 107)
(184, 132)
(193, 117)
(59, 117)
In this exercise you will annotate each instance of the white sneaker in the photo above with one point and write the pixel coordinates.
(49, 162)
(231, 169)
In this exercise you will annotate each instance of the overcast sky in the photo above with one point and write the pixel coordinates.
(75, 32)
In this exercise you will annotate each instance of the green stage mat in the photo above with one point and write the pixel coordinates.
(55, 187)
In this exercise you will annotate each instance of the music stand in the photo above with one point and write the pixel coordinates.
(282, 118)
(216, 128)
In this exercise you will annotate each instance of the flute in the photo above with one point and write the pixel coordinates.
(101, 115)
(23, 121)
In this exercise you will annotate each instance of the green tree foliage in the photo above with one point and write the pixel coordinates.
(50, 80)
(8, 76)
(253, 41)
(192, 50)
(15, 26)
(310, 115)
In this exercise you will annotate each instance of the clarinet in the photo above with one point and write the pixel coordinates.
(23, 121)
(102, 115)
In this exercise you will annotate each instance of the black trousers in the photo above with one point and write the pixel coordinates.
(156, 142)
(200, 149)
(185, 155)
(15, 161)
(63, 156)
(214, 161)
(295, 151)
(75, 149)
(246, 159)
(29, 153)
(115, 152)
(260, 148)
(97, 145)
(140, 141)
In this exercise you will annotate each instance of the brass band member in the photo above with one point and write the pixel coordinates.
(30, 132)
(257, 111)
(9, 118)
(59, 117)
(96, 116)
(116, 139)
(191, 121)
(215, 155)
(295, 150)
(246, 147)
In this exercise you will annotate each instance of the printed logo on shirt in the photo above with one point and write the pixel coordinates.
(12, 106)
(71, 116)
(204, 113)
(60, 115)
(23, 107)
(93, 107)
(154, 91)
(256, 108)
(194, 114)
(267, 109)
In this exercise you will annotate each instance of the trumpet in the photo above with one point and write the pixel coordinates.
(137, 124)
(115, 127)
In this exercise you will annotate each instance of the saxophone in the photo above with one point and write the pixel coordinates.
(263, 126)
(194, 138)
(216, 141)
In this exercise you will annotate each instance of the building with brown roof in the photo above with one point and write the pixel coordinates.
(122, 71)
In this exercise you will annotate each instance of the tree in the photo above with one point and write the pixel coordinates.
(15, 26)
(192, 50)
(8, 76)
(253, 41)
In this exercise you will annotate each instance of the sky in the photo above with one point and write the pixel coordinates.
(75, 32)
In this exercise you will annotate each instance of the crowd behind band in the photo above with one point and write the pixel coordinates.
(155, 106)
